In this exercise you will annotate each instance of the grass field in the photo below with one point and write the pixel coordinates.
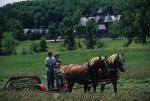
(134, 84)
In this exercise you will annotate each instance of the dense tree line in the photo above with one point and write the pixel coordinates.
(135, 21)
(52, 14)
(41, 13)
(47, 13)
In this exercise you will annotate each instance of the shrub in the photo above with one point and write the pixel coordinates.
(90, 43)
(26, 51)
(69, 43)
(91, 30)
(35, 36)
(62, 47)
(100, 44)
(79, 45)
(128, 43)
(42, 45)
(8, 44)
(34, 47)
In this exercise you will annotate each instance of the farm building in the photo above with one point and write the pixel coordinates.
(103, 20)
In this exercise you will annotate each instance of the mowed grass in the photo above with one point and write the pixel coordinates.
(134, 84)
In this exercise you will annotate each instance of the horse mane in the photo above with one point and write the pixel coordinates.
(112, 58)
(92, 61)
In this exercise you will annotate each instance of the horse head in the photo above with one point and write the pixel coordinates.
(117, 62)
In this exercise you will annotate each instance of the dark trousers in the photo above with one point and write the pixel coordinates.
(59, 80)
(50, 79)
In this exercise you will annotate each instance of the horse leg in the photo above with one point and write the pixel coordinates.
(94, 84)
(94, 87)
(86, 88)
(115, 86)
(70, 86)
(89, 88)
(102, 88)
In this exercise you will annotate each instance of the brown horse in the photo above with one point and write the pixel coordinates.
(83, 73)
(115, 63)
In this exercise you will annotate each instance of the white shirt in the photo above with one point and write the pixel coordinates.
(49, 61)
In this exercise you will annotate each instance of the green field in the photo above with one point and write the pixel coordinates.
(134, 84)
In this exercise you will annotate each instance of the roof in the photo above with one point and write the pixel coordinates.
(100, 19)
(100, 11)
(97, 18)
(108, 18)
(25, 31)
(101, 27)
(91, 18)
(116, 18)
(83, 21)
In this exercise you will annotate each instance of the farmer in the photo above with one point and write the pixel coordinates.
(50, 64)
(58, 76)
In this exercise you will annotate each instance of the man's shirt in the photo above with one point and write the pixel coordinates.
(57, 67)
(51, 62)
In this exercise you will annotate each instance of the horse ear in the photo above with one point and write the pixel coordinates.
(87, 61)
(118, 55)
(100, 57)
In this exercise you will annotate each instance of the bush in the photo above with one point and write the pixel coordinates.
(116, 30)
(100, 44)
(90, 43)
(69, 43)
(114, 36)
(34, 47)
(42, 45)
(35, 36)
(62, 47)
(79, 45)
(91, 30)
(26, 51)
(128, 43)
(39, 47)
(8, 44)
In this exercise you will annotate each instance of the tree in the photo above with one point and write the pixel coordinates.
(34, 35)
(76, 17)
(3, 20)
(116, 29)
(42, 45)
(8, 44)
(135, 18)
(15, 27)
(52, 31)
(34, 47)
(91, 30)
(67, 31)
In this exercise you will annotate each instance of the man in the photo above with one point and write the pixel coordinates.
(58, 76)
(50, 63)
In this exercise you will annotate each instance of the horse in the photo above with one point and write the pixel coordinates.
(115, 64)
(85, 74)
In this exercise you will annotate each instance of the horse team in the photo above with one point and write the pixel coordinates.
(94, 72)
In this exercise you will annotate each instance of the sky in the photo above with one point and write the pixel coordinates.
(4, 2)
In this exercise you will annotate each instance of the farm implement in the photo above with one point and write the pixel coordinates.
(24, 82)
(34, 83)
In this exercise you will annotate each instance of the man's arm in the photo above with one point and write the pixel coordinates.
(47, 64)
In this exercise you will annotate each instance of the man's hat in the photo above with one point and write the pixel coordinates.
(56, 54)
(49, 52)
